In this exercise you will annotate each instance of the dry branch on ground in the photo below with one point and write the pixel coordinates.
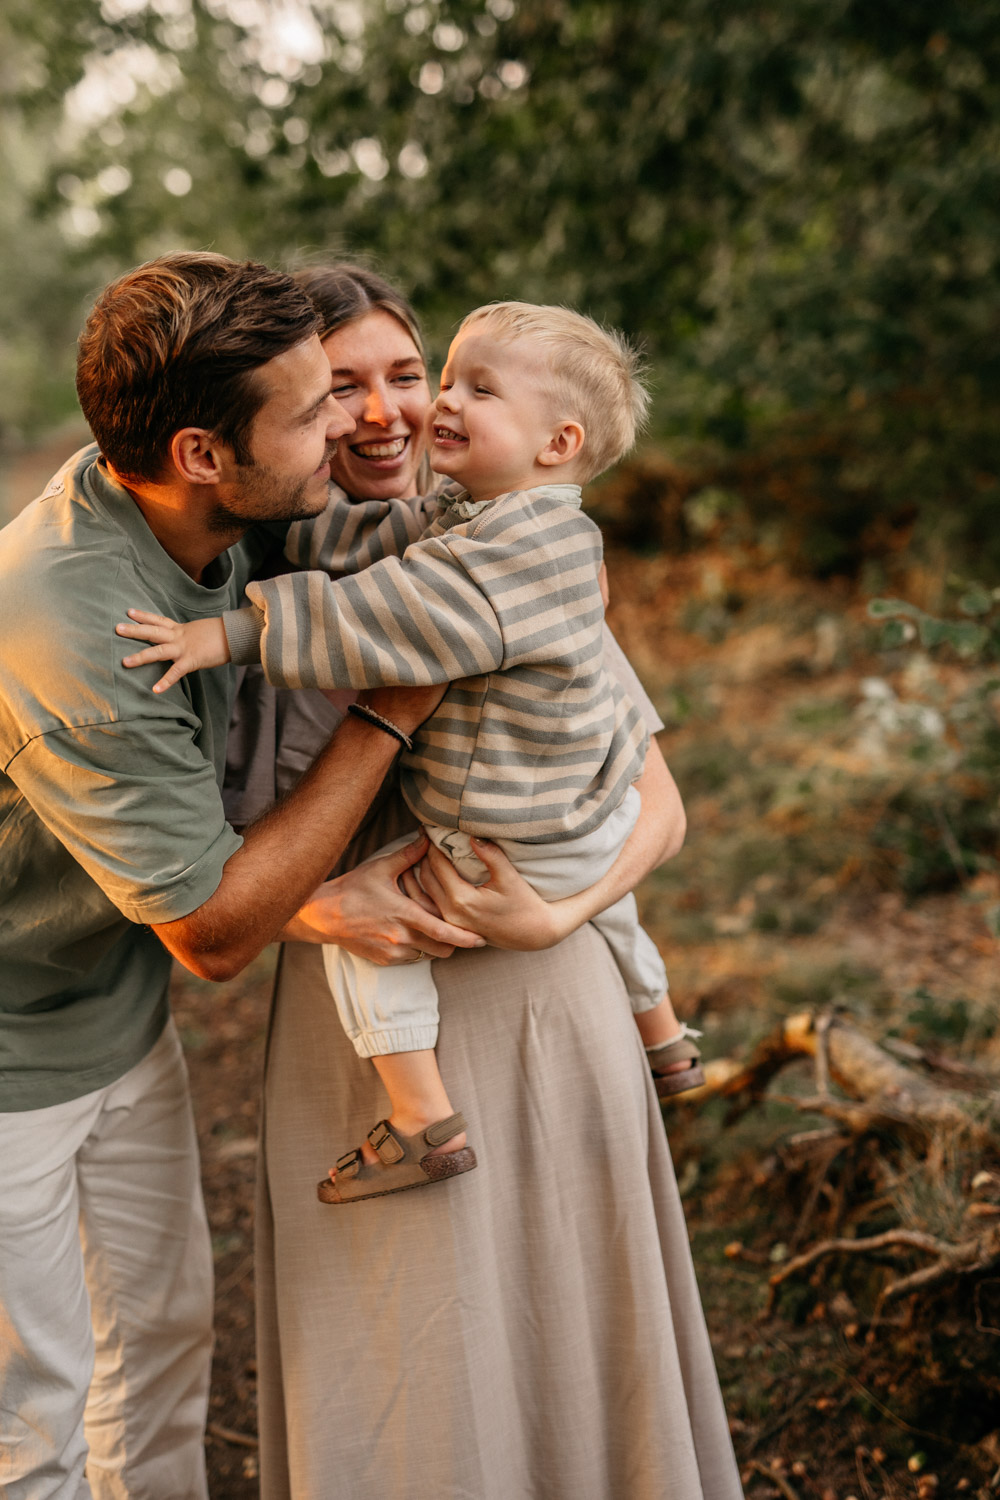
(879, 1093)
(880, 1089)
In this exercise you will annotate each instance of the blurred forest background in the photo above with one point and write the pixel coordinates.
(796, 207)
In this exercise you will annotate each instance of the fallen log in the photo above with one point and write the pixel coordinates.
(880, 1089)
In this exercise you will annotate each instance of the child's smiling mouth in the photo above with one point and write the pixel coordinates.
(447, 435)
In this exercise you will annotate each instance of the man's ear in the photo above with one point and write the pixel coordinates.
(197, 456)
(564, 444)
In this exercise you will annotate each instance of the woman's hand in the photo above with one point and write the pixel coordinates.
(506, 910)
(365, 912)
(510, 914)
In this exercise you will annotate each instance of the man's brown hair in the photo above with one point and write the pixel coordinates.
(179, 342)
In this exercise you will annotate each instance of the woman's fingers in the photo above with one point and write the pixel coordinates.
(409, 884)
(505, 908)
(403, 859)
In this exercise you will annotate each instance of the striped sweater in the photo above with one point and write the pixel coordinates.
(533, 740)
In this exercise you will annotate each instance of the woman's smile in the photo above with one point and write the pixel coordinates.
(383, 450)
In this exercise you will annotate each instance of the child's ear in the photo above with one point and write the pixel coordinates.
(564, 444)
(196, 456)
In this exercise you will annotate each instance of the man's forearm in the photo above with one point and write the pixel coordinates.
(284, 857)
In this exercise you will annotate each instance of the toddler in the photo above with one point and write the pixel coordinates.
(534, 746)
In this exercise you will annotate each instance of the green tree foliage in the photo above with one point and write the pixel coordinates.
(796, 205)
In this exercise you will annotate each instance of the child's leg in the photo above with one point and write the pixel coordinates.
(665, 1039)
(561, 870)
(417, 1095)
(390, 1015)
(658, 1025)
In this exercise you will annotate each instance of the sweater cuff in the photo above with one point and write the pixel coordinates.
(244, 628)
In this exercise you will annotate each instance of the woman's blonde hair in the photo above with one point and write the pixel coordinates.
(597, 375)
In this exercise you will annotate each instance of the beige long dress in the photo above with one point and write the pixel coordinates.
(529, 1331)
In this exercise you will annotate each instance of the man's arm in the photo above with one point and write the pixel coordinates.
(287, 854)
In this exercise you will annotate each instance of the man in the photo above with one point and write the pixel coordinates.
(208, 393)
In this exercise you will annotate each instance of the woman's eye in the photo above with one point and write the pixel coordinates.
(342, 390)
(407, 379)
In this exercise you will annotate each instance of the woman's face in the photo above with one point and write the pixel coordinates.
(380, 380)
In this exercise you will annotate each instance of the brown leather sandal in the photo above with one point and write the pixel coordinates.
(679, 1048)
(404, 1161)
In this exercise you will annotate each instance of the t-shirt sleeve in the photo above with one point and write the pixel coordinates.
(137, 805)
(620, 668)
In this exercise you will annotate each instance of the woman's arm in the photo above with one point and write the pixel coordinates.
(509, 914)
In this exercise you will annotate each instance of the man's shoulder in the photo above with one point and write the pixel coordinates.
(59, 556)
(67, 575)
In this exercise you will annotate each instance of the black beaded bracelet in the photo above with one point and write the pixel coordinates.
(362, 711)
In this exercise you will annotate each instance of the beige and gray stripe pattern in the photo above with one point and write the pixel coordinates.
(532, 741)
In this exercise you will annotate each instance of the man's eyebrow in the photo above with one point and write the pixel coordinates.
(307, 411)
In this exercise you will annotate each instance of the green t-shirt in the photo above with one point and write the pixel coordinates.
(110, 811)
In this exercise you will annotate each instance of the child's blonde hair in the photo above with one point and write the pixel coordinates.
(597, 376)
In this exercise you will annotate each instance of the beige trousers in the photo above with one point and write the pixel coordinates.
(105, 1293)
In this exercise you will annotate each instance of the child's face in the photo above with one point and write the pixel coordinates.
(494, 416)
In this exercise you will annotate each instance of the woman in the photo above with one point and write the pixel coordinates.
(532, 1329)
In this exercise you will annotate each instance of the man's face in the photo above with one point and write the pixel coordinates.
(292, 440)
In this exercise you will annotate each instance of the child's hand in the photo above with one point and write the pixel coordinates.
(190, 645)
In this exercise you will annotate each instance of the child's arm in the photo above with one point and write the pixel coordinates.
(423, 622)
(190, 644)
(419, 619)
(350, 535)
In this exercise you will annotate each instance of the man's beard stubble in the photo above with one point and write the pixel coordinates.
(263, 495)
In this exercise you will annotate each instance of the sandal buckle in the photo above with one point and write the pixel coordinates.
(349, 1163)
(385, 1144)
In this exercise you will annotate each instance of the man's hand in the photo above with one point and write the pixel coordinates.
(365, 912)
(190, 645)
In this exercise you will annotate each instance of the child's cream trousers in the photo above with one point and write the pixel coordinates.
(395, 1009)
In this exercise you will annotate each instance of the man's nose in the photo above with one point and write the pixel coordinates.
(339, 422)
(380, 408)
